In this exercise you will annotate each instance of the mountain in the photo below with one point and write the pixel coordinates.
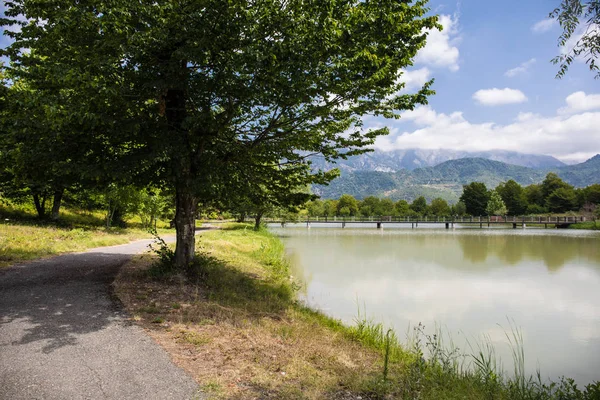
(396, 160)
(582, 174)
(446, 179)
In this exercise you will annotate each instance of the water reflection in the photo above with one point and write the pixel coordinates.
(468, 281)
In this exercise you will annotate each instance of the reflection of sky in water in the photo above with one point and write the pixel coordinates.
(468, 281)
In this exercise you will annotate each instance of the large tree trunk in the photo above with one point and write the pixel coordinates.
(40, 205)
(185, 226)
(58, 194)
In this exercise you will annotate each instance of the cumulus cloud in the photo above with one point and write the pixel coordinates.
(415, 79)
(579, 102)
(571, 138)
(496, 97)
(521, 69)
(440, 50)
(544, 25)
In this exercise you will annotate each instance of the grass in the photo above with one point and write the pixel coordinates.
(590, 225)
(24, 237)
(238, 329)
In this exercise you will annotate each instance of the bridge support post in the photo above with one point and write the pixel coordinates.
(412, 225)
(447, 225)
(514, 225)
(343, 224)
(524, 226)
(379, 225)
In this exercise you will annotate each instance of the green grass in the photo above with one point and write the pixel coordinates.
(238, 311)
(24, 237)
(590, 225)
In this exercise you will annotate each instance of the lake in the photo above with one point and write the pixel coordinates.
(469, 282)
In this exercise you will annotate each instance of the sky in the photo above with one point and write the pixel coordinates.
(495, 85)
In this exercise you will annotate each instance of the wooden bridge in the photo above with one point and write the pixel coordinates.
(449, 222)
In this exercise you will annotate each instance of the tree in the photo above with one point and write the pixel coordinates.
(439, 207)
(459, 209)
(580, 21)
(495, 205)
(514, 197)
(315, 208)
(385, 208)
(534, 195)
(188, 88)
(475, 196)
(561, 200)
(368, 206)
(347, 205)
(330, 208)
(551, 183)
(419, 205)
(402, 208)
(591, 194)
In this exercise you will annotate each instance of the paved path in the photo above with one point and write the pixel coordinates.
(64, 336)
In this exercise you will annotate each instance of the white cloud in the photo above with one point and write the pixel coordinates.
(495, 97)
(521, 69)
(415, 79)
(544, 25)
(571, 138)
(440, 50)
(579, 102)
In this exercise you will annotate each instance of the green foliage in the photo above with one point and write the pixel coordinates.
(419, 206)
(439, 207)
(495, 205)
(551, 183)
(514, 197)
(475, 196)
(570, 15)
(198, 96)
(459, 209)
(561, 200)
(402, 208)
(347, 206)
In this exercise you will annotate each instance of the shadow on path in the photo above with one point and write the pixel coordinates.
(64, 335)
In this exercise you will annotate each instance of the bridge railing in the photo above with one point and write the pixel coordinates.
(438, 219)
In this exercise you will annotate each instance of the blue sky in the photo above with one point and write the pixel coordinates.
(507, 46)
(496, 86)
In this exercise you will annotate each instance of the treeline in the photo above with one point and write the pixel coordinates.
(553, 195)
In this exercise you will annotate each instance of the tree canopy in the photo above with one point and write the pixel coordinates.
(190, 94)
(580, 21)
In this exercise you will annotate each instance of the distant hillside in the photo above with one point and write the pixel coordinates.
(394, 161)
(582, 174)
(445, 180)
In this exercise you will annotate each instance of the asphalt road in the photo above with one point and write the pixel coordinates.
(64, 336)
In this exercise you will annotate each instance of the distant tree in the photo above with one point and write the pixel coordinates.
(316, 208)
(402, 208)
(330, 208)
(562, 200)
(459, 209)
(514, 197)
(551, 183)
(347, 206)
(439, 207)
(575, 17)
(475, 196)
(533, 209)
(534, 195)
(592, 194)
(385, 208)
(369, 205)
(495, 205)
(419, 205)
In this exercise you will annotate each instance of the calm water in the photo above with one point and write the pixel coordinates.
(469, 282)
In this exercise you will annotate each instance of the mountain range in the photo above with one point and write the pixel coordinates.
(396, 160)
(447, 178)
